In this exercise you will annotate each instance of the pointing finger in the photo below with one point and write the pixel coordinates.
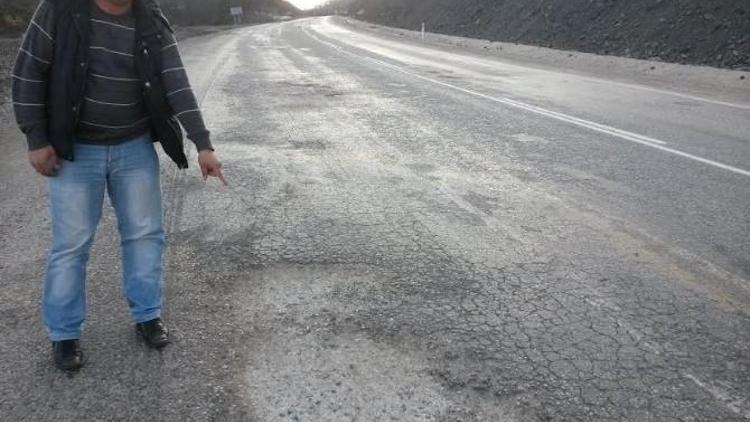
(220, 175)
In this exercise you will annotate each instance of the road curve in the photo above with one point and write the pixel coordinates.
(416, 232)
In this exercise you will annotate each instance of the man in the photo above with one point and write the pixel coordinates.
(95, 81)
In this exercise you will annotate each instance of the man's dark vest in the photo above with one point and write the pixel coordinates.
(67, 80)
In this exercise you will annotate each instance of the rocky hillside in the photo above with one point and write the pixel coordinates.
(709, 32)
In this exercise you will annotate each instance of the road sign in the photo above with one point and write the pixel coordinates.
(237, 14)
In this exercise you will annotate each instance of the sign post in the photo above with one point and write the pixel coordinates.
(237, 14)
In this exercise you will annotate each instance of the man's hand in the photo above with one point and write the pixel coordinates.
(45, 161)
(210, 165)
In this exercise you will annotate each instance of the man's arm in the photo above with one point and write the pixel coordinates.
(180, 95)
(182, 100)
(30, 76)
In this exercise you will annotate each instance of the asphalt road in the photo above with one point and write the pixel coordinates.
(416, 231)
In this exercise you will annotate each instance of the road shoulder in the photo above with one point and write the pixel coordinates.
(713, 83)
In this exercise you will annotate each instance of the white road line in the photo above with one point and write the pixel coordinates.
(622, 134)
(488, 62)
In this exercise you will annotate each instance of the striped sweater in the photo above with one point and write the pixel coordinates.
(113, 108)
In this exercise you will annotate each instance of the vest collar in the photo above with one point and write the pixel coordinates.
(81, 10)
(144, 14)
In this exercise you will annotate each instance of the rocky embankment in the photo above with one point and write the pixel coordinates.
(707, 32)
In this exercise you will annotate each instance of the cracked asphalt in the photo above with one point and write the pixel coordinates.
(417, 231)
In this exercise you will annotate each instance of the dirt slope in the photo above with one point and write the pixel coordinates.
(710, 32)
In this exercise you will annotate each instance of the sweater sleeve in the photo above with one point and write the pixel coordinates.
(31, 74)
(180, 95)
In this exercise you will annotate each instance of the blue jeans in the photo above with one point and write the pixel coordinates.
(129, 172)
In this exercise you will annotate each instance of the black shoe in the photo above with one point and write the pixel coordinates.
(154, 332)
(68, 355)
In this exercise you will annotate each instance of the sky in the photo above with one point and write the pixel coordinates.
(307, 4)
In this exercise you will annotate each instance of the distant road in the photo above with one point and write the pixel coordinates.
(414, 231)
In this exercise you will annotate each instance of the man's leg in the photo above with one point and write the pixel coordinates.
(75, 202)
(133, 185)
